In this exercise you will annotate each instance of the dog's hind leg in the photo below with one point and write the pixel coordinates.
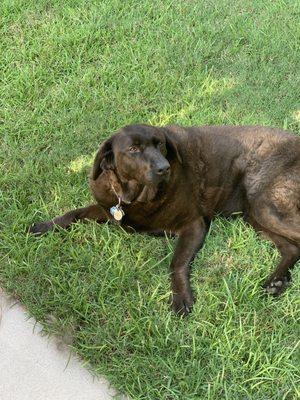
(290, 254)
(285, 239)
(93, 212)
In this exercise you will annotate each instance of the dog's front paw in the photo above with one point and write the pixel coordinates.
(182, 304)
(40, 228)
(275, 286)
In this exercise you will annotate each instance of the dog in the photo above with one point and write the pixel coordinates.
(177, 179)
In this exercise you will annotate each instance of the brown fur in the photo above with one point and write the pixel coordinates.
(177, 179)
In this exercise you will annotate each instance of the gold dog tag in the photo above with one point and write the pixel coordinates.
(117, 212)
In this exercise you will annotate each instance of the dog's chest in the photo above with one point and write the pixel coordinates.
(151, 216)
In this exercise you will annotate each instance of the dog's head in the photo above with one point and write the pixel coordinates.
(140, 153)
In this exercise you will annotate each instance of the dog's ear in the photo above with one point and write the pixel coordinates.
(104, 158)
(172, 144)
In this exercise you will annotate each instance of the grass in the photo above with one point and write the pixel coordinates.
(72, 72)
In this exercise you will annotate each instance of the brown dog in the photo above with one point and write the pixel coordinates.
(173, 179)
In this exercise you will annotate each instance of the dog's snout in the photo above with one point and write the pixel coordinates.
(163, 169)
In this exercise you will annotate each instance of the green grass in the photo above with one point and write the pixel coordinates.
(71, 73)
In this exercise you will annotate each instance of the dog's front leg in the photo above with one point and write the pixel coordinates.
(93, 212)
(191, 239)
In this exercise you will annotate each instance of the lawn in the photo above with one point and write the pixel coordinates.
(74, 71)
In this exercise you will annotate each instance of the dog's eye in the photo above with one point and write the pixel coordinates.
(133, 149)
(158, 143)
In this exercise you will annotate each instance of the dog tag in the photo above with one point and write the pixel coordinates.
(117, 212)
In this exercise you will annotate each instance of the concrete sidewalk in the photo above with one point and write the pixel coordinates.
(32, 367)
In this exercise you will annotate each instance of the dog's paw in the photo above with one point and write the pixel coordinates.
(182, 304)
(39, 228)
(275, 286)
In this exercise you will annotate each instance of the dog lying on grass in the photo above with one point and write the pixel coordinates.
(174, 179)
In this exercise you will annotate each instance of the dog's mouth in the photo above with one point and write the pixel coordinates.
(155, 179)
(152, 186)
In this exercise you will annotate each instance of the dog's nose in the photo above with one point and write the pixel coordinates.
(163, 169)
